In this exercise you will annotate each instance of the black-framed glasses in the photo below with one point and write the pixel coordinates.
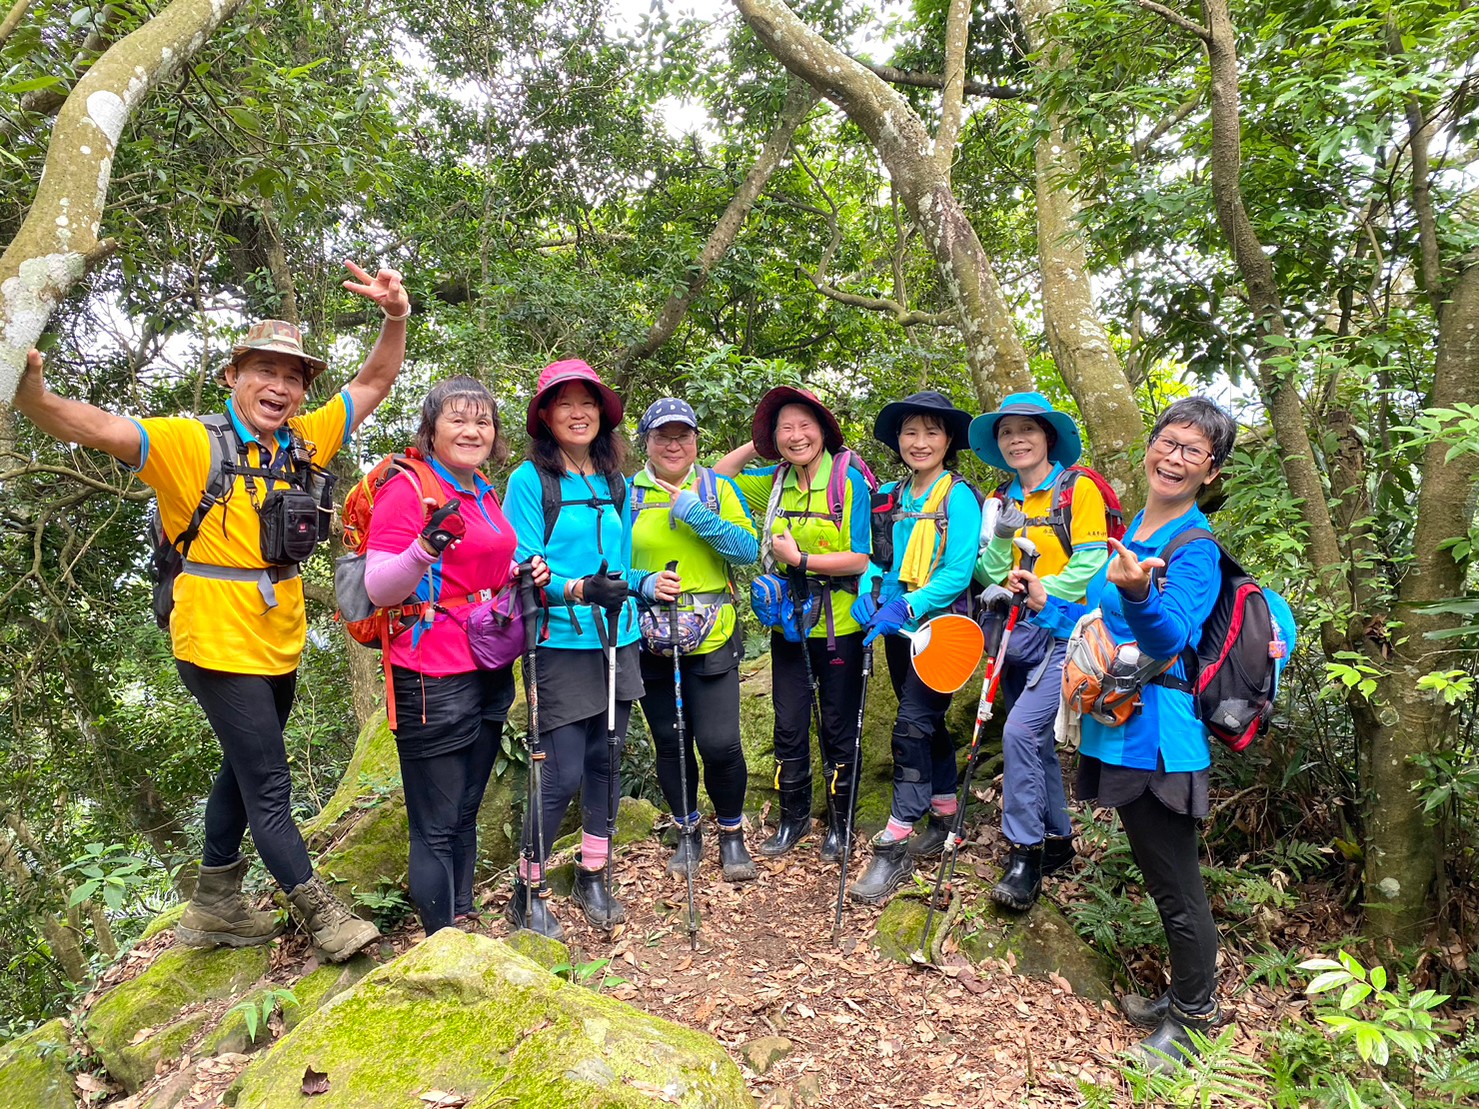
(1190, 452)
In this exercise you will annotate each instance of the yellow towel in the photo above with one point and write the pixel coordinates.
(920, 557)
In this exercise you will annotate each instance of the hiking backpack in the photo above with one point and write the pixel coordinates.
(1060, 516)
(227, 462)
(1234, 669)
(886, 513)
(553, 500)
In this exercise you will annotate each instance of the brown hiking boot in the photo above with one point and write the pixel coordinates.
(334, 930)
(219, 916)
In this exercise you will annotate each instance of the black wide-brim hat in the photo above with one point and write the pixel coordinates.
(762, 428)
(890, 421)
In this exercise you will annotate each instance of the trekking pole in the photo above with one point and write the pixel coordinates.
(533, 838)
(857, 759)
(613, 767)
(990, 683)
(682, 757)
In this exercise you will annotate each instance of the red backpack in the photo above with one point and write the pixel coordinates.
(1060, 517)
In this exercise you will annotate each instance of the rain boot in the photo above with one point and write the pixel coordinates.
(1170, 1047)
(219, 916)
(1021, 882)
(334, 930)
(738, 866)
(689, 853)
(930, 842)
(888, 869)
(540, 920)
(601, 910)
(840, 807)
(793, 779)
(1057, 854)
(1145, 1011)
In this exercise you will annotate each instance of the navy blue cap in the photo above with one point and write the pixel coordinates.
(667, 410)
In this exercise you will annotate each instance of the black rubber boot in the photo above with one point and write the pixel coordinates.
(689, 853)
(1169, 1047)
(793, 779)
(840, 808)
(734, 858)
(930, 842)
(541, 920)
(1021, 882)
(1144, 1011)
(1057, 854)
(590, 894)
(887, 870)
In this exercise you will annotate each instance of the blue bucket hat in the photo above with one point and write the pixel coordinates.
(1066, 450)
(666, 410)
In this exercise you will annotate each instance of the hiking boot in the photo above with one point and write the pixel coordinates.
(1170, 1047)
(794, 782)
(1144, 1011)
(738, 866)
(1057, 854)
(890, 865)
(540, 920)
(335, 931)
(601, 910)
(930, 842)
(1021, 882)
(839, 805)
(219, 916)
(689, 853)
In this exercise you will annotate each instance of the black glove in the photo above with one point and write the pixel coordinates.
(608, 591)
(444, 527)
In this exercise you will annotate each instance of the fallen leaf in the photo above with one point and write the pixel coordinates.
(140, 1036)
(805, 1010)
(88, 1084)
(653, 1090)
(442, 1099)
(314, 1082)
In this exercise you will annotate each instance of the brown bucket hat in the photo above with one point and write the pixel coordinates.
(277, 337)
(762, 428)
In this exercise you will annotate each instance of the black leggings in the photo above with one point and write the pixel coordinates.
(253, 788)
(839, 690)
(1164, 844)
(577, 758)
(710, 720)
(443, 793)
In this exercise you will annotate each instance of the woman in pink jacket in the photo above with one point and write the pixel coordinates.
(450, 714)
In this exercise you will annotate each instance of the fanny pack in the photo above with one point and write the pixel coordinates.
(1105, 679)
(495, 629)
(692, 626)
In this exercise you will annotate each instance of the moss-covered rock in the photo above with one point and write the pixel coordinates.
(1038, 943)
(546, 952)
(467, 1013)
(33, 1070)
(165, 920)
(179, 978)
(315, 990)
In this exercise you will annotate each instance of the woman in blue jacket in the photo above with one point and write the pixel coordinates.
(936, 534)
(568, 505)
(1153, 769)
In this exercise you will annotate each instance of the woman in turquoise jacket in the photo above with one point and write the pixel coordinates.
(1153, 769)
(568, 505)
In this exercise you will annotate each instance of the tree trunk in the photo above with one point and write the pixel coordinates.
(13, 19)
(59, 934)
(993, 350)
(1076, 333)
(58, 240)
(800, 99)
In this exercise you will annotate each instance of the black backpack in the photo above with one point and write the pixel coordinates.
(553, 498)
(1234, 669)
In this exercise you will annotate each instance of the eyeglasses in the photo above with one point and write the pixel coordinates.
(1190, 452)
(682, 438)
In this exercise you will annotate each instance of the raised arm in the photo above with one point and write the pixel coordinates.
(736, 460)
(75, 421)
(372, 384)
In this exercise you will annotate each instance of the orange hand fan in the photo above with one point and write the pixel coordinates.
(946, 650)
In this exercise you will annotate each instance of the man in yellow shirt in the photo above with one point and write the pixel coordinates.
(237, 625)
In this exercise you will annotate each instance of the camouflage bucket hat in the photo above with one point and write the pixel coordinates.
(277, 337)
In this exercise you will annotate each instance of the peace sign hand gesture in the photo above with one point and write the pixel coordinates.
(385, 289)
(1129, 573)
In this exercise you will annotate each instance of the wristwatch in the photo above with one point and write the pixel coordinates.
(802, 563)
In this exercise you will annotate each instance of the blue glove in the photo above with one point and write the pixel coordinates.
(684, 503)
(888, 619)
(863, 608)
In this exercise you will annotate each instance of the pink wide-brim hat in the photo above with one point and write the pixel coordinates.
(572, 369)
